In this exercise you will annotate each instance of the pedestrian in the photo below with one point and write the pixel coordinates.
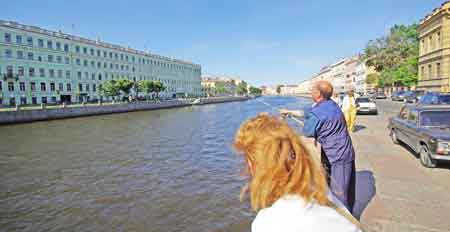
(325, 122)
(287, 186)
(349, 107)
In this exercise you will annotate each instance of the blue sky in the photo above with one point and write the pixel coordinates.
(263, 42)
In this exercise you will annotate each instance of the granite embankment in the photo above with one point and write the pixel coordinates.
(21, 116)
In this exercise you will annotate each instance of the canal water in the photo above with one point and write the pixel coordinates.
(164, 170)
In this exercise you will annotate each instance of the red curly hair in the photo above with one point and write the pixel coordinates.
(278, 163)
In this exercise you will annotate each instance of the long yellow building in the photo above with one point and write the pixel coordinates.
(434, 51)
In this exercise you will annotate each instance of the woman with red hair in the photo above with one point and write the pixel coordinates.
(287, 186)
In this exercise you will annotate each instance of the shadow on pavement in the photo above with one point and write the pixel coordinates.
(442, 164)
(359, 127)
(365, 191)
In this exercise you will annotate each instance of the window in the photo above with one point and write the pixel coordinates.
(50, 58)
(99, 65)
(78, 61)
(430, 72)
(94, 88)
(126, 58)
(84, 50)
(85, 63)
(60, 87)
(1, 88)
(30, 56)
(7, 38)
(111, 66)
(40, 43)
(68, 74)
(93, 76)
(87, 87)
(110, 55)
(58, 59)
(105, 54)
(115, 56)
(80, 87)
(40, 58)
(42, 72)
(77, 49)
(31, 72)
(67, 60)
(66, 47)
(21, 71)
(86, 75)
(69, 87)
(58, 46)
(60, 73)
(19, 54)
(10, 86)
(49, 44)
(121, 56)
(79, 75)
(8, 53)
(99, 76)
(22, 86)
(51, 73)
(18, 39)
(105, 65)
(92, 51)
(98, 53)
(438, 39)
(52, 87)
(34, 100)
(43, 86)
(33, 86)
(438, 70)
(93, 64)
(44, 100)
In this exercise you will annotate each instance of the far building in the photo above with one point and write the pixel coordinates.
(434, 50)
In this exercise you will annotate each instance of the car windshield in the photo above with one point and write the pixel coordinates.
(435, 118)
(363, 99)
(444, 99)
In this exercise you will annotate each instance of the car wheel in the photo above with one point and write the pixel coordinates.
(394, 137)
(425, 158)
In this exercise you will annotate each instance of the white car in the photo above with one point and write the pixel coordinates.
(366, 106)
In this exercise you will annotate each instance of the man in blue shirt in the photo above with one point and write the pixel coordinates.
(326, 123)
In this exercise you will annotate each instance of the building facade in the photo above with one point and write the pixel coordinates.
(42, 66)
(434, 50)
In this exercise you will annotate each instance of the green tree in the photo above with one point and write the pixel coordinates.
(158, 87)
(125, 86)
(220, 88)
(110, 89)
(242, 88)
(395, 56)
(255, 91)
(147, 86)
(278, 89)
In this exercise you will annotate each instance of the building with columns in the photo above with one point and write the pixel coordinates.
(43, 66)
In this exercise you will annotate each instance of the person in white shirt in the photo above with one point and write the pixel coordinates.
(349, 108)
(287, 185)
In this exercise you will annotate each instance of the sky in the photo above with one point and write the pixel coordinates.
(264, 42)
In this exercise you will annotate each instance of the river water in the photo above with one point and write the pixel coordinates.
(163, 170)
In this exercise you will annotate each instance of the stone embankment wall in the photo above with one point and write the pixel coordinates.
(20, 116)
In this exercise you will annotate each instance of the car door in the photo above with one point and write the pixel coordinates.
(400, 122)
(411, 130)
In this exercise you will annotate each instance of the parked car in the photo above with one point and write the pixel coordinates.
(425, 129)
(366, 106)
(397, 96)
(434, 98)
(380, 96)
(413, 96)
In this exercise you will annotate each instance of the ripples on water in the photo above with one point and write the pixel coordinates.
(164, 170)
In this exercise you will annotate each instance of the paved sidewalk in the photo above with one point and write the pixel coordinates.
(403, 195)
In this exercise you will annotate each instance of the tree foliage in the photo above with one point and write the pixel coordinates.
(242, 88)
(395, 56)
(110, 89)
(125, 86)
(255, 91)
(278, 89)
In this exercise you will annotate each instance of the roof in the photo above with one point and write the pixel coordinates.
(444, 6)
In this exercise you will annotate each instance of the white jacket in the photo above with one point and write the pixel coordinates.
(347, 102)
(292, 214)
